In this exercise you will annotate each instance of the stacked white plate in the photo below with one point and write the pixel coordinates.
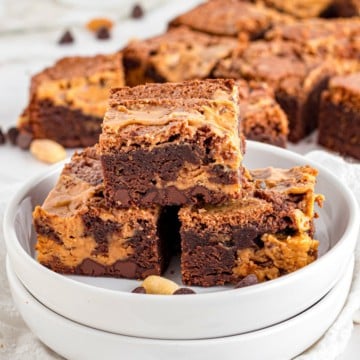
(88, 318)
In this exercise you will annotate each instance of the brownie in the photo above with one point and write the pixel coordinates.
(180, 54)
(334, 37)
(297, 79)
(262, 117)
(77, 233)
(231, 18)
(339, 120)
(181, 144)
(302, 8)
(269, 232)
(346, 8)
(68, 100)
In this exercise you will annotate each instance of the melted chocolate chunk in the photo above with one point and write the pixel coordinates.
(139, 290)
(103, 33)
(137, 12)
(24, 140)
(12, 135)
(2, 138)
(184, 291)
(66, 38)
(247, 281)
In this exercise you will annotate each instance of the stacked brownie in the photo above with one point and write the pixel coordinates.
(172, 144)
(78, 233)
(269, 232)
(165, 147)
(68, 100)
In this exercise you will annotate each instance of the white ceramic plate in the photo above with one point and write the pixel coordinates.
(280, 342)
(108, 304)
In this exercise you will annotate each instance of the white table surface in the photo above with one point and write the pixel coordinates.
(24, 53)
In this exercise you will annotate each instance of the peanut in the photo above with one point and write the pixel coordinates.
(47, 150)
(154, 284)
(95, 24)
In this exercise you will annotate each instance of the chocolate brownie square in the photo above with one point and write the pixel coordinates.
(77, 233)
(182, 147)
(68, 100)
(231, 18)
(302, 8)
(262, 117)
(339, 120)
(178, 55)
(320, 37)
(269, 232)
(346, 8)
(297, 79)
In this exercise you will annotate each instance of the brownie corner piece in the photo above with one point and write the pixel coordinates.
(172, 144)
(269, 232)
(78, 234)
(339, 119)
(72, 95)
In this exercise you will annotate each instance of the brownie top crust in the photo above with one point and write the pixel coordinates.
(210, 89)
(321, 37)
(296, 180)
(345, 90)
(78, 66)
(254, 95)
(196, 104)
(77, 186)
(85, 166)
(349, 83)
(231, 18)
(180, 54)
(81, 83)
(301, 8)
(80, 187)
(258, 107)
(281, 65)
(289, 192)
(315, 30)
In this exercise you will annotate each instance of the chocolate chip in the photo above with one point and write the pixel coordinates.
(12, 135)
(247, 281)
(66, 38)
(137, 12)
(24, 140)
(139, 290)
(2, 138)
(103, 33)
(184, 291)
